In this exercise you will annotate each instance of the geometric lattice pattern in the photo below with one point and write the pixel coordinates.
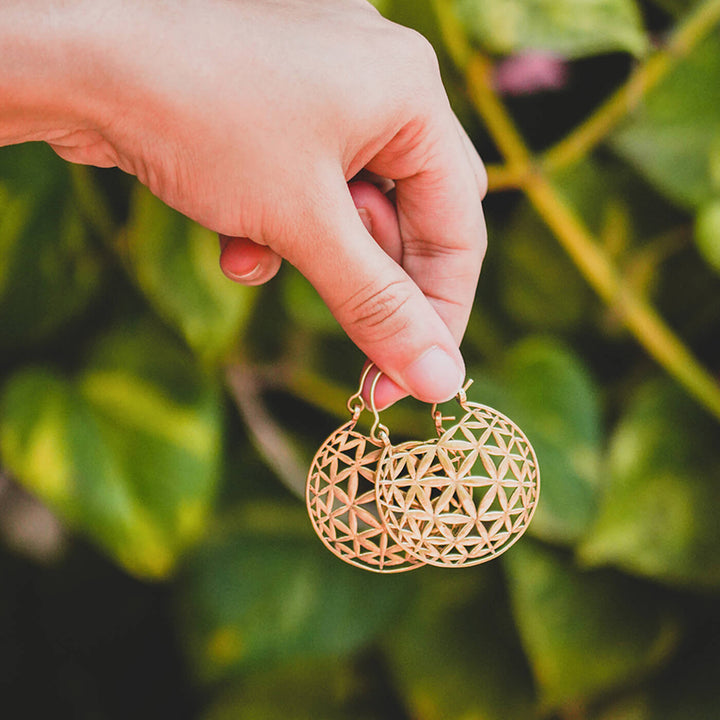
(340, 498)
(463, 498)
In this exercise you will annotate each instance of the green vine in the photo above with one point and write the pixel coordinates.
(531, 175)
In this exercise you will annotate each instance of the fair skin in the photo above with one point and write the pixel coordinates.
(250, 117)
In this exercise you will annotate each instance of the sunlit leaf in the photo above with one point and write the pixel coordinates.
(176, 264)
(707, 233)
(127, 452)
(572, 28)
(262, 595)
(455, 654)
(547, 391)
(672, 134)
(48, 268)
(659, 514)
(585, 633)
(382, 5)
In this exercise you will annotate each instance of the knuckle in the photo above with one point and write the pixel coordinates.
(416, 57)
(377, 312)
(421, 51)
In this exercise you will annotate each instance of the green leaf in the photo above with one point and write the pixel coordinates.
(48, 270)
(572, 28)
(262, 595)
(305, 306)
(585, 633)
(176, 265)
(539, 286)
(382, 6)
(714, 164)
(317, 690)
(662, 500)
(548, 392)
(707, 233)
(686, 690)
(671, 137)
(127, 452)
(456, 655)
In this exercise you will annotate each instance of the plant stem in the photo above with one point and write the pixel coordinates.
(502, 129)
(269, 439)
(578, 144)
(332, 399)
(688, 33)
(640, 318)
(454, 37)
(501, 177)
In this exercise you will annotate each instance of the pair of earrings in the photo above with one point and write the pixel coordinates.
(459, 499)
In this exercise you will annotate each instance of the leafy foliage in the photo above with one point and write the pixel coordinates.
(565, 27)
(672, 135)
(127, 450)
(49, 271)
(175, 264)
(661, 501)
(275, 594)
(562, 612)
(707, 233)
(456, 654)
(121, 344)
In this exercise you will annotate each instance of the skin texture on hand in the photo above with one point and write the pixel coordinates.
(251, 116)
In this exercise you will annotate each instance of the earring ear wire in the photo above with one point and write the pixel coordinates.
(378, 432)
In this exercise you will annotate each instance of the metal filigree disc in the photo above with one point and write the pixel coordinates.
(340, 498)
(464, 498)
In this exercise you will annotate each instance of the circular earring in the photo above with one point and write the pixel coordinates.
(464, 497)
(341, 499)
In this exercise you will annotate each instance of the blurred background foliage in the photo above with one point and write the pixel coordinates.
(156, 421)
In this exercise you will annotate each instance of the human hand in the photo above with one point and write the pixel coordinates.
(246, 262)
(251, 116)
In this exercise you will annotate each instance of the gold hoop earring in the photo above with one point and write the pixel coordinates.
(465, 497)
(341, 499)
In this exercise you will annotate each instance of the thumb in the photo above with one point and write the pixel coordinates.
(380, 307)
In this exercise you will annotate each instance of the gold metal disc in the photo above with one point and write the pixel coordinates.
(340, 496)
(463, 498)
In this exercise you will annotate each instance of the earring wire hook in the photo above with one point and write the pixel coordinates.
(355, 402)
(461, 397)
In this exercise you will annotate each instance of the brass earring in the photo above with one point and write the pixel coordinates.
(463, 498)
(341, 498)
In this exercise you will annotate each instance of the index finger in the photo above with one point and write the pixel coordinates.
(440, 182)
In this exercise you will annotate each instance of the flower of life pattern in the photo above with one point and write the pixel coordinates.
(464, 498)
(340, 499)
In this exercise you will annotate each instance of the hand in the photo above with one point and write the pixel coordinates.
(251, 116)
(246, 262)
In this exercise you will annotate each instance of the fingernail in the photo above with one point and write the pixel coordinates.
(435, 376)
(366, 219)
(247, 277)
